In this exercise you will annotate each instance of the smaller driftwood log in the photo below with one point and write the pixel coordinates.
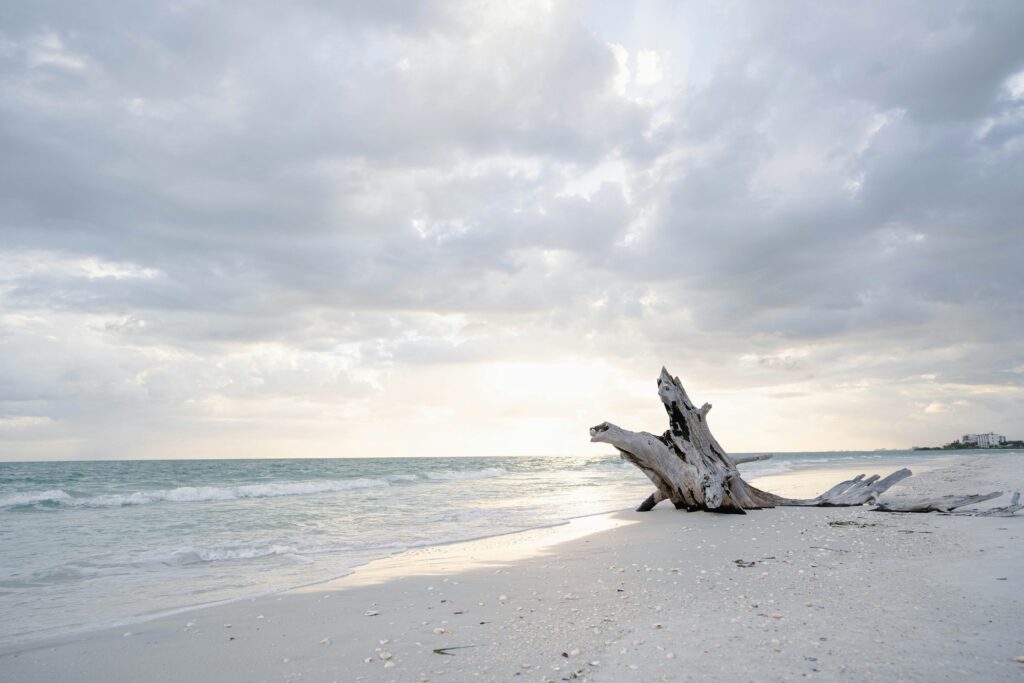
(1005, 510)
(950, 503)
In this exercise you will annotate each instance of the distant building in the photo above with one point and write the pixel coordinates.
(989, 440)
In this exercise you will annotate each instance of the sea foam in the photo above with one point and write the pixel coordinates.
(454, 475)
(195, 494)
(33, 498)
(191, 494)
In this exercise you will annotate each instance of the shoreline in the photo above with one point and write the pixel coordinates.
(805, 482)
(621, 566)
(86, 630)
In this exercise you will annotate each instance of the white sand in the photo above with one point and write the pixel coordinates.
(653, 596)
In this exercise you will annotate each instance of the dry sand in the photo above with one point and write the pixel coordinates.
(776, 595)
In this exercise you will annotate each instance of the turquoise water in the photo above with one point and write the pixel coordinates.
(90, 544)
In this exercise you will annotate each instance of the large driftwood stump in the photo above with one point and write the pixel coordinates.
(690, 468)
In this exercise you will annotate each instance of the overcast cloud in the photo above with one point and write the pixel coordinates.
(414, 228)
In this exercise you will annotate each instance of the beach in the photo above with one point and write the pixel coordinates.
(774, 595)
(378, 341)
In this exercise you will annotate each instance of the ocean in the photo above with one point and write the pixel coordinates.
(92, 544)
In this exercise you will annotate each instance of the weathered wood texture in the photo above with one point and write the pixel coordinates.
(950, 503)
(689, 467)
(740, 459)
(1006, 510)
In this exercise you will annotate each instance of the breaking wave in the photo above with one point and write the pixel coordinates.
(33, 498)
(454, 475)
(55, 498)
(189, 494)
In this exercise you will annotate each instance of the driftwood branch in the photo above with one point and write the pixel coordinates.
(689, 467)
(950, 503)
(858, 490)
(740, 459)
(940, 504)
(1006, 510)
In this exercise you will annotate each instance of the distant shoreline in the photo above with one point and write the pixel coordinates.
(956, 446)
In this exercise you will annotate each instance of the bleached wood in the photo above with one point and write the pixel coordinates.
(1006, 510)
(740, 459)
(951, 505)
(689, 467)
(856, 491)
(939, 504)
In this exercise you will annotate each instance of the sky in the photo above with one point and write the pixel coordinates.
(411, 228)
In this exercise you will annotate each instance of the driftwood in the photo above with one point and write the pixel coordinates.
(740, 459)
(690, 468)
(950, 503)
(939, 504)
(1006, 510)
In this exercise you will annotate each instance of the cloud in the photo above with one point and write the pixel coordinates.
(272, 231)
